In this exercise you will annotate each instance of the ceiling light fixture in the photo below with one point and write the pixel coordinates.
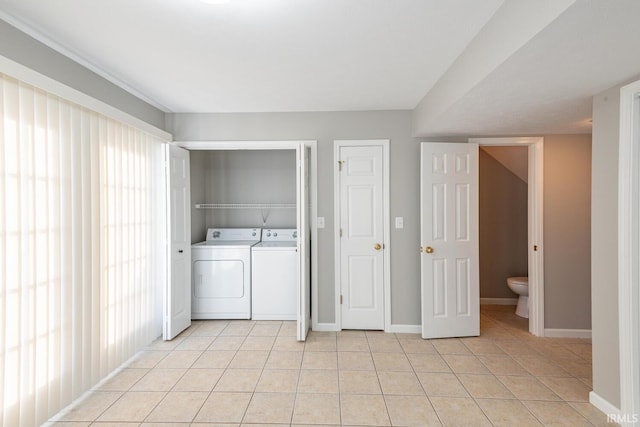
(215, 1)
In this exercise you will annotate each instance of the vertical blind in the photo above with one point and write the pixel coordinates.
(82, 199)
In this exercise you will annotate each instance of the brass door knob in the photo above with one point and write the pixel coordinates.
(428, 250)
(377, 246)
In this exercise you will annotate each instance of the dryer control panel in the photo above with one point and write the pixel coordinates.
(233, 234)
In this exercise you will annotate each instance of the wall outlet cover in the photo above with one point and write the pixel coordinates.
(320, 222)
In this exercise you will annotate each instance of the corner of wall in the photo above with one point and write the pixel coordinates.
(604, 246)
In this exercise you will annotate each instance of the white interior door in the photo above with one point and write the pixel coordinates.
(449, 239)
(304, 253)
(361, 236)
(177, 301)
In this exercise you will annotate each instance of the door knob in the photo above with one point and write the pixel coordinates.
(180, 251)
(428, 250)
(377, 246)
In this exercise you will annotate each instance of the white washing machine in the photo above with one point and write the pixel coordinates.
(221, 274)
(274, 276)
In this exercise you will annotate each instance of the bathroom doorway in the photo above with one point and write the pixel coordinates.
(526, 254)
(503, 177)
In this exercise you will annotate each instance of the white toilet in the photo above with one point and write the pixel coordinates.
(520, 285)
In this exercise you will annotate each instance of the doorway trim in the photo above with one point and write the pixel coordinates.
(535, 223)
(384, 143)
(313, 195)
(629, 250)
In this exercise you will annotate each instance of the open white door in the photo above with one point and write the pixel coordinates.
(177, 297)
(449, 239)
(304, 253)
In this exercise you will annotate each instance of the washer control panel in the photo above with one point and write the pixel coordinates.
(280, 235)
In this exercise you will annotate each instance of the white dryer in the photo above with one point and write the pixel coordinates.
(221, 274)
(274, 276)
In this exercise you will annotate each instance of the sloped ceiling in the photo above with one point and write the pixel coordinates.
(547, 85)
(514, 158)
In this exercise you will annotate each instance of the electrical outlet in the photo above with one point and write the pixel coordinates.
(320, 222)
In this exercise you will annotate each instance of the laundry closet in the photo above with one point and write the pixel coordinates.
(242, 189)
(240, 235)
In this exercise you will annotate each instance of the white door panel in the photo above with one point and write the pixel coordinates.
(362, 237)
(449, 238)
(177, 301)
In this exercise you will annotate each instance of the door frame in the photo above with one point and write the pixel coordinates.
(313, 192)
(386, 280)
(535, 189)
(629, 249)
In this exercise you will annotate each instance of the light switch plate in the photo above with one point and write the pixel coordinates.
(399, 222)
(320, 222)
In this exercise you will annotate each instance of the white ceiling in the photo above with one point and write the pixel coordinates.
(264, 55)
(340, 55)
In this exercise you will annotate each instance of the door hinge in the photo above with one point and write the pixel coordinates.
(341, 232)
(535, 248)
(340, 162)
(340, 299)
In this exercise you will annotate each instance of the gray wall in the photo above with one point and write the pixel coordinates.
(567, 236)
(325, 128)
(242, 176)
(566, 215)
(503, 226)
(197, 168)
(604, 250)
(29, 52)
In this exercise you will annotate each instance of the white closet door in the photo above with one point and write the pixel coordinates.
(449, 239)
(304, 264)
(177, 300)
(362, 222)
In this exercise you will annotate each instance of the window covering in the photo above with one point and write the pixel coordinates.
(82, 238)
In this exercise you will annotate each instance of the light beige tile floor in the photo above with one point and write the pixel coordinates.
(241, 373)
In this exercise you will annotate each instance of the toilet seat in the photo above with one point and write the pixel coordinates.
(520, 280)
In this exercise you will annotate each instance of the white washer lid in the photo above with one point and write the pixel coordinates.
(275, 246)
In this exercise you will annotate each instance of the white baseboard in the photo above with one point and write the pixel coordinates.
(567, 333)
(602, 405)
(406, 329)
(395, 329)
(499, 301)
(325, 327)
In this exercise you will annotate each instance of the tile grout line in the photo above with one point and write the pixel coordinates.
(433, 408)
(214, 385)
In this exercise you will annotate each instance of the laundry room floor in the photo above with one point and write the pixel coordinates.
(243, 373)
